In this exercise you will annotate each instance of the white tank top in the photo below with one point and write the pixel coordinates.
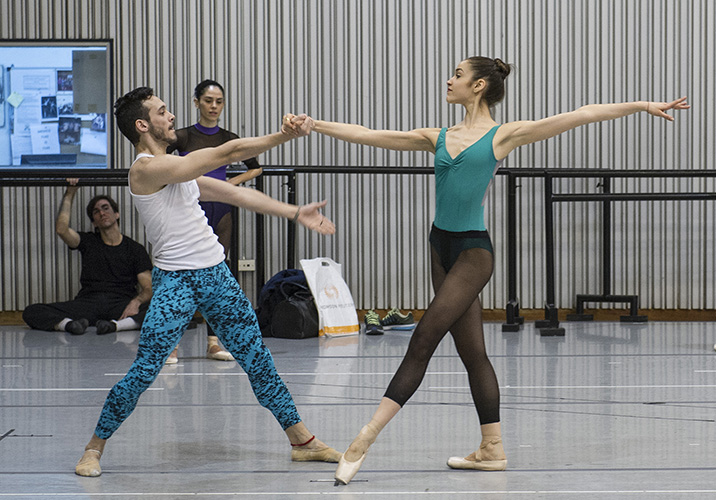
(177, 227)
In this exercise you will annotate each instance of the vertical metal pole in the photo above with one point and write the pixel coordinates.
(549, 237)
(512, 308)
(607, 239)
(550, 325)
(260, 248)
(291, 232)
(234, 243)
(511, 237)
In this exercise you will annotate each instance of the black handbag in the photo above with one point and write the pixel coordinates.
(295, 316)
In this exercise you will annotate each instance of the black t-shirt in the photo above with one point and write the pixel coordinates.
(111, 269)
(190, 139)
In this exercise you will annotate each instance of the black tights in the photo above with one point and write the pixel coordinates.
(455, 308)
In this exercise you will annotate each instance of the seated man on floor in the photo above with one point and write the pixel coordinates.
(116, 280)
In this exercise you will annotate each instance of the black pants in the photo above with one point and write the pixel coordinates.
(92, 307)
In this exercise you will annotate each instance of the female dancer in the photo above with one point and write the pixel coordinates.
(206, 133)
(466, 158)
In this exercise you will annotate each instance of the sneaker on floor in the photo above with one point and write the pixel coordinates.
(372, 323)
(217, 353)
(104, 327)
(77, 327)
(173, 358)
(395, 320)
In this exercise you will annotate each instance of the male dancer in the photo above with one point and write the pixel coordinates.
(190, 273)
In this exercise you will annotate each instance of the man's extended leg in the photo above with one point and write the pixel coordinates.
(172, 307)
(231, 316)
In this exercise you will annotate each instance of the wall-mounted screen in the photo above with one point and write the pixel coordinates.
(55, 103)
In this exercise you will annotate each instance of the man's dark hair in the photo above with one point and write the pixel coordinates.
(129, 108)
(93, 202)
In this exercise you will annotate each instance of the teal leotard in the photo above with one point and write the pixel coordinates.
(461, 183)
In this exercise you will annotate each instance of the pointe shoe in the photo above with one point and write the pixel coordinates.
(88, 465)
(173, 358)
(477, 463)
(347, 470)
(217, 353)
(327, 454)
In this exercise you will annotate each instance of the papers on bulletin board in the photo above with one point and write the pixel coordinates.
(31, 86)
(94, 142)
(21, 145)
(49, 107)
(70, 129)
(65, 103)
(45, 139)
(34, 80)
(28, 113)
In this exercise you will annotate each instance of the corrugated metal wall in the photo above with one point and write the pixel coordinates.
(384, 64)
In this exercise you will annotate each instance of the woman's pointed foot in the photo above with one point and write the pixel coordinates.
(354, 456)
(347, 470)
(88, 465)
(490, 457)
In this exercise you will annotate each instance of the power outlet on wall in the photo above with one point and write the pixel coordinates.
(247, 265)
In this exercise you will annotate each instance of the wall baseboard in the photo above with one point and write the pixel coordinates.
(11, 318)
(498, 315)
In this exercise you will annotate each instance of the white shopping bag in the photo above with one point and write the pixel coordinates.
(337, 315)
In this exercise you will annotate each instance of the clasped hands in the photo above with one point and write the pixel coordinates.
(308, 215)
(296, 125)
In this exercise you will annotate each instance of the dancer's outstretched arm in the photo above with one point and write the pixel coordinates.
(307, 215)
(420, 139)
(515, 134)
(149, 175)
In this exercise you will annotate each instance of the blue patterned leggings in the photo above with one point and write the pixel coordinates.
(177, 296)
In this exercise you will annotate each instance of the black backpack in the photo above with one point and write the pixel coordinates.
(286, 308)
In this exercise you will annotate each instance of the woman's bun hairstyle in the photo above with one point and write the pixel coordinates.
(494, 72)
(502, 68)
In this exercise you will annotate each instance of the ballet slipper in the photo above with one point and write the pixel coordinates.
(88, 465)
(490, 457)
(173, 357)
(347, 469)
(217, 353)
(314, 451)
